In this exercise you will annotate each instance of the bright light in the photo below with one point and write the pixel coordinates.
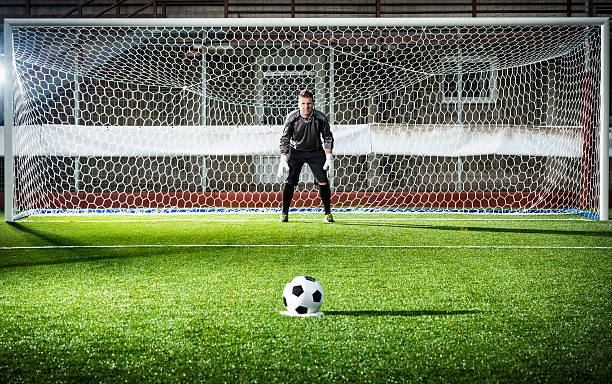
(1, 69)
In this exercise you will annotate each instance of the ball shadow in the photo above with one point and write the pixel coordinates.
(370, 313)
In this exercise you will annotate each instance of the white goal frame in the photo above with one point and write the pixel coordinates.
(603, 23)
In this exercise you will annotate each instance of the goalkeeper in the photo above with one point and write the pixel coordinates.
(301, 143)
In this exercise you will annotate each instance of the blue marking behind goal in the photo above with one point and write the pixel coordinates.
(221, 210)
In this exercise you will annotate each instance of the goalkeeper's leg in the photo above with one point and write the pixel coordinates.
(287, 198)
(325, 194)
(315, 162)
(295, 162)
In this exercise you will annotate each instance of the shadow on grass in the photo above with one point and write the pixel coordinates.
(371, 313)
(63, 255)
(558, 232)
(48, 238)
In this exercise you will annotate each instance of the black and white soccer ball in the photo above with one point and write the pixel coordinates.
(303, 296)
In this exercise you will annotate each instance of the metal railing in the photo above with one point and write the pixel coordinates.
(295, 8)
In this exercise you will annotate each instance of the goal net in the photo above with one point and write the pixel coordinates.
(460, 115)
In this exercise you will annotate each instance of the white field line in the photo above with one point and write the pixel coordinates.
(299, 246)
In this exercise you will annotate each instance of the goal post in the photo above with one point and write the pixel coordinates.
(492, 115)
(604, 116)
(9, 175)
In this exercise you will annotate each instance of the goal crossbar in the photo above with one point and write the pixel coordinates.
(315, 22)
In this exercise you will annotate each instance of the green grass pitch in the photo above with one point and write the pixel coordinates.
(408, 298)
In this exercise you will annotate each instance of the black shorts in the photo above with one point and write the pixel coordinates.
(315, 161)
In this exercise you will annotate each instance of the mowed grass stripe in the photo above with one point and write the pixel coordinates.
(301, 246)
(305, 231)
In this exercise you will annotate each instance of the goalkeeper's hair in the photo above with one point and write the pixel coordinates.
(306, 94)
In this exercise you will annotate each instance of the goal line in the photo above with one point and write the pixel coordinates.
(197, 211)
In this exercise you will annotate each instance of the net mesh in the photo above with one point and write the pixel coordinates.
(499, 119)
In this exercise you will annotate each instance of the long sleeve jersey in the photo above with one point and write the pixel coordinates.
(305, 134)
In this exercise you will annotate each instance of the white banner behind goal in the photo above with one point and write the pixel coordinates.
(462, 115)
(352, 140)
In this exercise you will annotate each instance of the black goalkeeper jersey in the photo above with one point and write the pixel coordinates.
(305, 134)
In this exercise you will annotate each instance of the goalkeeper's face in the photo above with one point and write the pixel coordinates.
(305, 105)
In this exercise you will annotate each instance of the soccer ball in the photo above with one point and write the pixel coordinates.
(303, 296)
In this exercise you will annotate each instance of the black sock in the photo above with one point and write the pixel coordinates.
(325, 194)
(287, 197)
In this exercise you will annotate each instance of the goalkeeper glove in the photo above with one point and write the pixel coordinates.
(283, 166)
(329, 162)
